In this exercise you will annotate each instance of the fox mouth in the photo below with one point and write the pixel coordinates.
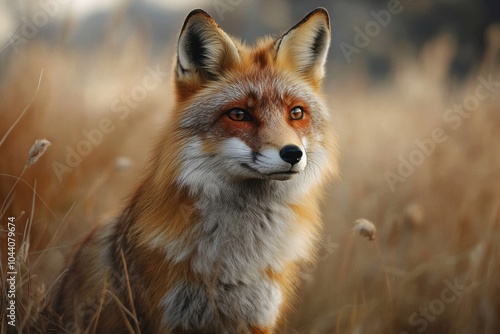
(282, 175)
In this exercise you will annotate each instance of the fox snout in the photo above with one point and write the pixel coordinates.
(269, 162)
(292, 156)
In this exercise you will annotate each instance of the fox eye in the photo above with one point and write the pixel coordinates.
(239, 115)
(296, 113)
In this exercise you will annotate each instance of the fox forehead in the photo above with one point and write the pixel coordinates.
(267, 92)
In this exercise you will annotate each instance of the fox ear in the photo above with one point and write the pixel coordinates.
(306, 45)
(204, 50)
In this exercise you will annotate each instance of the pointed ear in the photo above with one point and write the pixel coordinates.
(204, 50)
(305, 46)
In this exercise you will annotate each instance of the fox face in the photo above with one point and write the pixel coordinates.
(252, 113)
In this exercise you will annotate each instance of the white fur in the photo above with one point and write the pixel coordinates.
(214, 310)
(241, 234)
(198, 172)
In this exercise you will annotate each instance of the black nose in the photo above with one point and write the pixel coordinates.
(291, 154)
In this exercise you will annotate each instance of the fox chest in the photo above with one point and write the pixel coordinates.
(234, 250)
(222, 308)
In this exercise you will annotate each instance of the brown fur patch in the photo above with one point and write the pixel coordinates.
(261, 58)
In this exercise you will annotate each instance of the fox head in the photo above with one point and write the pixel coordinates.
(251, 112)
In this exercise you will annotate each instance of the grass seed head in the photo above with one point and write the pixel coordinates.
(365, 228)
(37, 150)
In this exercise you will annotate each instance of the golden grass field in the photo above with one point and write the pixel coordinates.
(434, 264)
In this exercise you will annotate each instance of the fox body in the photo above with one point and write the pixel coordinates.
(212, 239)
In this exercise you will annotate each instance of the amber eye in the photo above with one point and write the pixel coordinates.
(239, 115)
(296, 113)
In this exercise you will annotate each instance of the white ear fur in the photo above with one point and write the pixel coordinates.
(204, 49)
(306, 44)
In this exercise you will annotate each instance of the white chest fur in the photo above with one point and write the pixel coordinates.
(237, 239)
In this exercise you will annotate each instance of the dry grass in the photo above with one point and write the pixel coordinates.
(440, 226)
(74, 95)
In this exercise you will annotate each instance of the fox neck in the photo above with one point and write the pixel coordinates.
(236, 231)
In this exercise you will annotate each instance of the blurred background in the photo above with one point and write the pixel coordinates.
(413, 88)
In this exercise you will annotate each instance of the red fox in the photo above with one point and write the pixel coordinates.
(213, 237)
